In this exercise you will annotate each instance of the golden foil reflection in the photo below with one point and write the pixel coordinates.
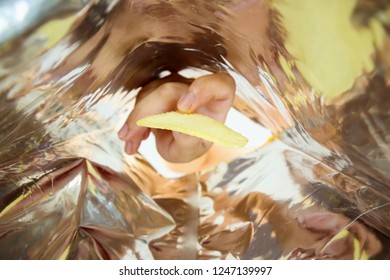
(315, 74)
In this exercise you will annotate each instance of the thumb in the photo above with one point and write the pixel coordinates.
(214, 93)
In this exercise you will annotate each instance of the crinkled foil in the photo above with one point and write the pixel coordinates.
(315, 73)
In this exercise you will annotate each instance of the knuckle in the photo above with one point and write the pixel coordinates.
(170, 88)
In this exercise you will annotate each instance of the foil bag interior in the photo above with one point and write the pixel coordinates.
(316, 74)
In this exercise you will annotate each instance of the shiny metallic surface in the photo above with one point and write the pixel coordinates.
(20, 16)
(315, 73)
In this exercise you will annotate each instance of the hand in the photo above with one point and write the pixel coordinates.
(210, 95)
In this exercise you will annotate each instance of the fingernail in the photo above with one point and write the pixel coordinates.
(123, 131)
(186, 101)
(129, 148)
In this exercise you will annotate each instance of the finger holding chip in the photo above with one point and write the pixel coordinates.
(156, 99)
(210, 95)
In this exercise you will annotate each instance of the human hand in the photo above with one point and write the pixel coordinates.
(210, 95)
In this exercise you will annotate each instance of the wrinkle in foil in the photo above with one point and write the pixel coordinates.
(319, 189)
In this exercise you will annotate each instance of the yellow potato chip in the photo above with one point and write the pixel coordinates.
(196, 125)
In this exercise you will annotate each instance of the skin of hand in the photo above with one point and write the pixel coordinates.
(210, 95)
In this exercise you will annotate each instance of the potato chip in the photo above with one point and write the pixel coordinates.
(196, 125)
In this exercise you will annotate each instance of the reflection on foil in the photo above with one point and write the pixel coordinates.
(319, 189)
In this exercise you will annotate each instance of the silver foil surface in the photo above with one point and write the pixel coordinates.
(316, 74)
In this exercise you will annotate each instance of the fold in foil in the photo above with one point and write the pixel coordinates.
(319, 189)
